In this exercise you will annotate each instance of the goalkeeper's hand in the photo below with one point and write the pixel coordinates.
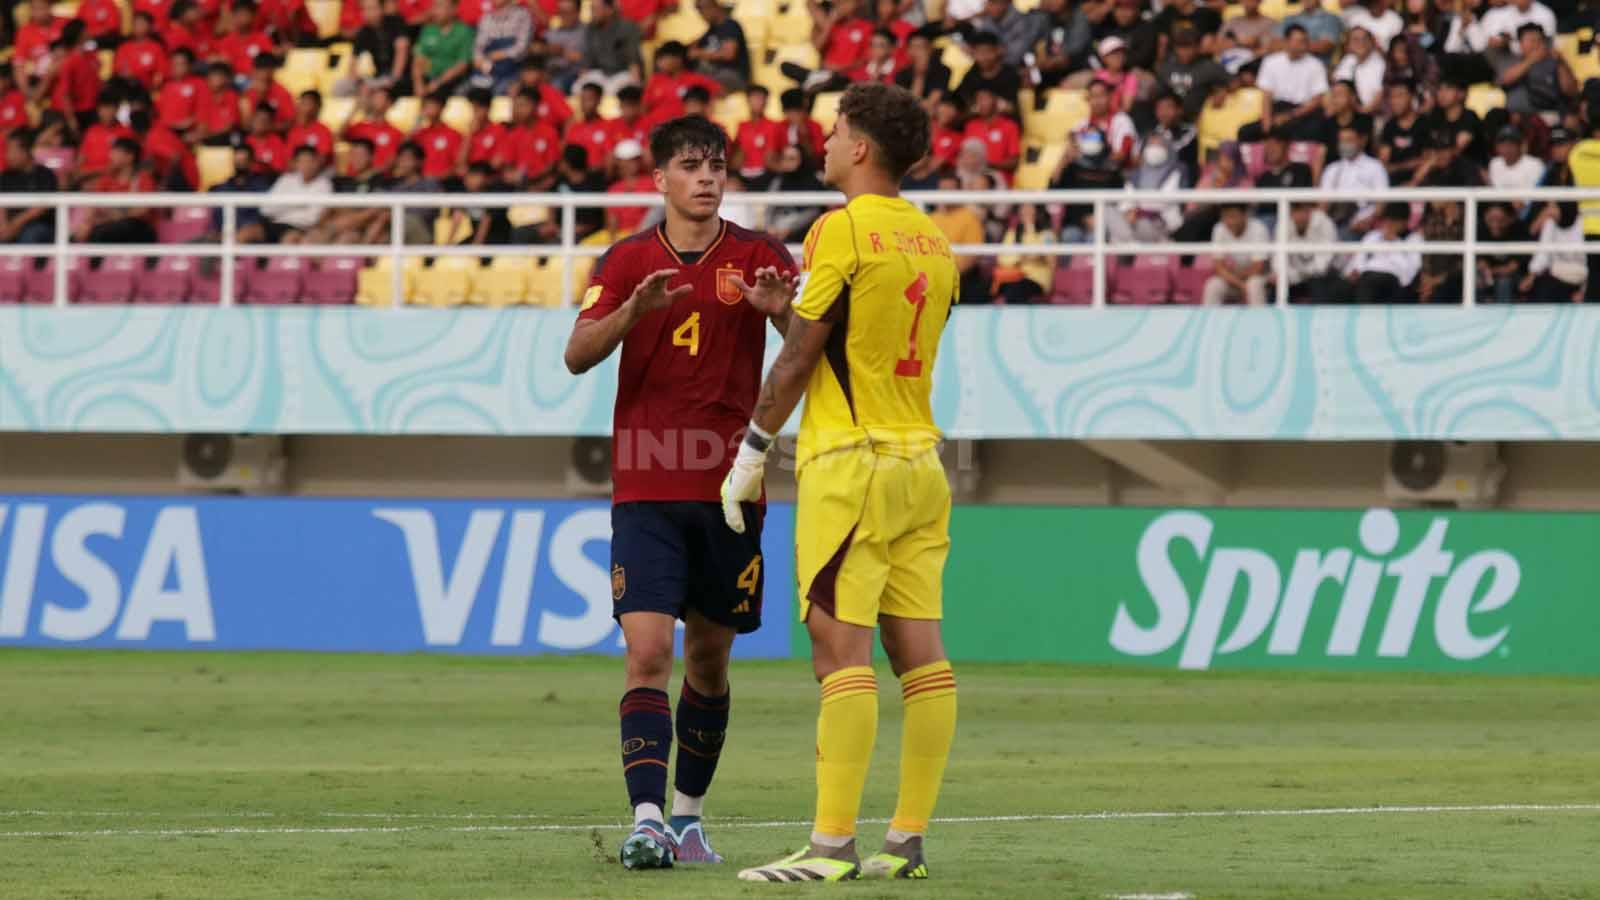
(743, 483)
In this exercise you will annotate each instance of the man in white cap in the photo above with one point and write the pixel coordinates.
(623, 220)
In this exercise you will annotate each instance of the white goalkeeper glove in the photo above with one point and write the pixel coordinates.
(743, 483)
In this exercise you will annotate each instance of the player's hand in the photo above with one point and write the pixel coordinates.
(743, 483)
(772, 293)
(653, 294)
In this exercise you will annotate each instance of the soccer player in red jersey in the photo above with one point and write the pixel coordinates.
(677, 299)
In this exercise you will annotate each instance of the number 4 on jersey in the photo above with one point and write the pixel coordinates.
(688, 334)
(917, 296)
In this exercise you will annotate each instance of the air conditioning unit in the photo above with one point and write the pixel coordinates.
(1467, 473)
(589, 472)
(248, 464)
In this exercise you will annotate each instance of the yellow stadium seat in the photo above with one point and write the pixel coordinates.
(757, 31)
(341, 57)
(404, 112)
(336, 111)
(1038, 164)
(108, 64)
(957, 60)
(753, 9)
(326, 14)
(685, 26)
(1482, 98)
(215, 165)
(500, 110)
(544, 283)
(729, 112)
(297, 83)
(800, 54)
(1567, 45)
(520, 216)
(1232, 11)
(1218, 124)
(305, 59)
(375, 283)
(497, 286)
(1584, 65)
(825, 109)
(341, 152)
(1064, 110)
(68, 9)
(451, 228)
(447, 283)
(457, 114)
(610, 106)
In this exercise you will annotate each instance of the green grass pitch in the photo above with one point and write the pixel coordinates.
(136, 775)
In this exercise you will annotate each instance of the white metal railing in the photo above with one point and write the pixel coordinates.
(1100, 247)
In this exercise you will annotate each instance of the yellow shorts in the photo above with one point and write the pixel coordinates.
(872, 533)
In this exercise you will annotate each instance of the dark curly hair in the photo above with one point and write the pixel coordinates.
(893, 118)
(686, 133)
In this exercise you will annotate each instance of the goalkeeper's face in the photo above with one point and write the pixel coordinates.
(693, 182)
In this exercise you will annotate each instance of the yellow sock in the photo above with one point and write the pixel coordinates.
(930, 727)
(846, 728)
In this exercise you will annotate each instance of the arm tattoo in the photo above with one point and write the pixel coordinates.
(786, 382)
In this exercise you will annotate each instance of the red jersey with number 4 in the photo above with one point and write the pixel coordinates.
(690, 373)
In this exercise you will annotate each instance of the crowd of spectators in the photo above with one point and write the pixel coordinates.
(1354, 95)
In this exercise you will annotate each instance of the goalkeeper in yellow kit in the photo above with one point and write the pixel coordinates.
(873, 515)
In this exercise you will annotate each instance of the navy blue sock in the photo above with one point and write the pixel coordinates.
(646, 743)
(702, 726)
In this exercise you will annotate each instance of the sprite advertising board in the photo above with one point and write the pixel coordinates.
(1246, 588)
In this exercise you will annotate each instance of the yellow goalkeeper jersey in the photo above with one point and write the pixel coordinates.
(883, 274)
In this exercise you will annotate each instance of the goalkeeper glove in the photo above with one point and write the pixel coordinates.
(743, 483)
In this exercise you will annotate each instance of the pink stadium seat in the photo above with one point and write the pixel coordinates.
(334, 282)
(280, 282)
(1255, 159)
(1142, 284)
(1074, 282)
(168, 282)
(1189, 282)
(1308, 152)
(187, 224)
(39, 285)
(13, 277)
(113, 282)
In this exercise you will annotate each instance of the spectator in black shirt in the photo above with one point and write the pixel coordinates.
(925, 76)
(1204, 21)
(1065, 44)
(36, 225)
(387, 38)
(1404, 136)
(1341, 110)
(722, 52)
(1458, 125)
(1180, 137)
(1092, 168)
(1499, 274)
(487, 225)
(1281, 172)
(249, 225)
(989, 71)
(1190, 75)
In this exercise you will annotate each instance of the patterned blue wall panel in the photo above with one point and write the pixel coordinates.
(1495, 372)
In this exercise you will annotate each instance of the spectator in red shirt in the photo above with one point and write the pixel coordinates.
(441, 144)
(171, 160)
(102, 21)
(663, 93)
(550, 102)
(623, 220)
(179, 102)
(33, 41)
(697, 102)
(945, 144)
(645, 13)
(841, 36)
(218, 116)
(1001, 138)
(13, 105)
(186, 28)
(490, 142)
(415, 12)
(374, 127)
(882, 63)
(536, 146)
(74, 84)
(94, 150)
(142, 58)
(798, 128)
(308, 130)
(246, 40)
(264, 88)
(272, 153)
(632, 125)
(754, 140)
(157, 10)
(472, 11)
(588, 130)
(116, 225)
(286, 20)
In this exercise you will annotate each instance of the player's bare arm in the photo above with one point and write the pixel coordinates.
(772, 295)
(785, 384)
(595, 339)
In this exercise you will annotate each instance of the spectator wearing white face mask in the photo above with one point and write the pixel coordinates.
(1353, 172)
(1146, 221)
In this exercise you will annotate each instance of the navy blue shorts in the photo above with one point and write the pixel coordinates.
(670, 557)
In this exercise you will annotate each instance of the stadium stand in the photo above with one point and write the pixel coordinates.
(1026, 93)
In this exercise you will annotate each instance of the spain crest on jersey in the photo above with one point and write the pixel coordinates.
(728, 286)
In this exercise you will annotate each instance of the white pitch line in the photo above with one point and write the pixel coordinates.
(1178, 895)
(736, 824)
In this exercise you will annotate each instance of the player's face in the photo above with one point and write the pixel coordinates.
(836, 153)
(693, 182)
